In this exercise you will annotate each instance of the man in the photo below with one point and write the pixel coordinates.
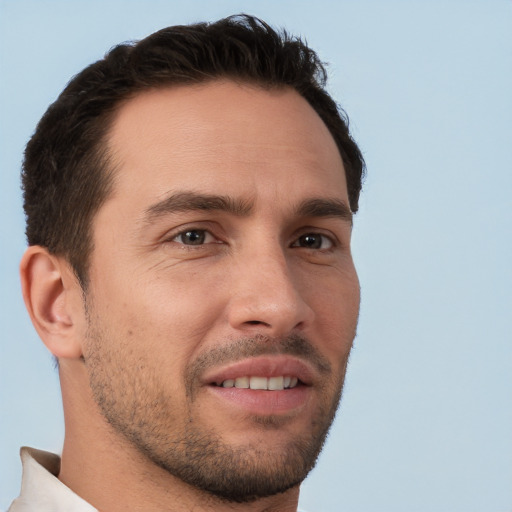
(189, 205)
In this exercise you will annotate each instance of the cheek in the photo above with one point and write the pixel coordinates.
(336, 306)
(189, 302)
(167, 312)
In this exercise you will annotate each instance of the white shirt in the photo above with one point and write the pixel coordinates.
(41, 490)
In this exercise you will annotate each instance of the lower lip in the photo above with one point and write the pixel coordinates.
(261, 402)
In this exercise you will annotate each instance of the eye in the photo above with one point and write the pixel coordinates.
(313, 241)
(194, 237)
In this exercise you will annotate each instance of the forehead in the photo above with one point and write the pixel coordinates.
(222, 137)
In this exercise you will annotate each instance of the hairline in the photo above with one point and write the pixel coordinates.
(109, 169)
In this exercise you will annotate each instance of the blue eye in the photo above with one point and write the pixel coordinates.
(313, 241)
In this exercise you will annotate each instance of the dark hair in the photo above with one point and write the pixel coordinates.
(66, 173)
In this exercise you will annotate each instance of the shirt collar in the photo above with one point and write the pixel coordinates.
(41, 490)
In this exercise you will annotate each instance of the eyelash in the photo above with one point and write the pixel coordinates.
(204, 234)
(315, 234)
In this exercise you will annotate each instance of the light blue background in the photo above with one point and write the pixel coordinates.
(426, 420)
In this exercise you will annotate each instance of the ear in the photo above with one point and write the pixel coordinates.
(53, 298)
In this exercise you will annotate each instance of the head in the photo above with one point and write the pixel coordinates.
(201, 184)
(67, 174)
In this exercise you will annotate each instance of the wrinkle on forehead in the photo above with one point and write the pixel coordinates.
(217, 115)
(224, 139)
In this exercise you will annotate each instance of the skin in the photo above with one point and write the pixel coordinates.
(162, 318)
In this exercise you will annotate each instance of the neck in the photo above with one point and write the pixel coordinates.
(107, 471)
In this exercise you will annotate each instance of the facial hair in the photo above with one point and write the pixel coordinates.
(133, 399)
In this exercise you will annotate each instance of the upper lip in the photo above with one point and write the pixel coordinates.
(262, 366)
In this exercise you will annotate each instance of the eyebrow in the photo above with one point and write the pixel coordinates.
(192, 201)
(325, 208)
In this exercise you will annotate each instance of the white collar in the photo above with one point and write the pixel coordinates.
(41, 490)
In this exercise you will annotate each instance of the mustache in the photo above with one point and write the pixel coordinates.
(259, 345)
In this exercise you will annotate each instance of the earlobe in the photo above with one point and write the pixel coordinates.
(52, 298)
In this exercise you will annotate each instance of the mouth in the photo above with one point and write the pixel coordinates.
(265, 385)
(271, 373)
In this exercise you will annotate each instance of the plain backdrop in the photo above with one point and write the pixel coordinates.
(426, 419)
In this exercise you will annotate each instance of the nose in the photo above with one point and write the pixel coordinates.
(266, 297)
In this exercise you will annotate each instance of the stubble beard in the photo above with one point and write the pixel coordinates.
(138, 407)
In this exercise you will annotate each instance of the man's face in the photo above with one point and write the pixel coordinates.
(222, 265)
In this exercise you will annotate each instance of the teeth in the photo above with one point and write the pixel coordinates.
(242, 382)
(258, 383)
(276, 383)
(270, 383)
